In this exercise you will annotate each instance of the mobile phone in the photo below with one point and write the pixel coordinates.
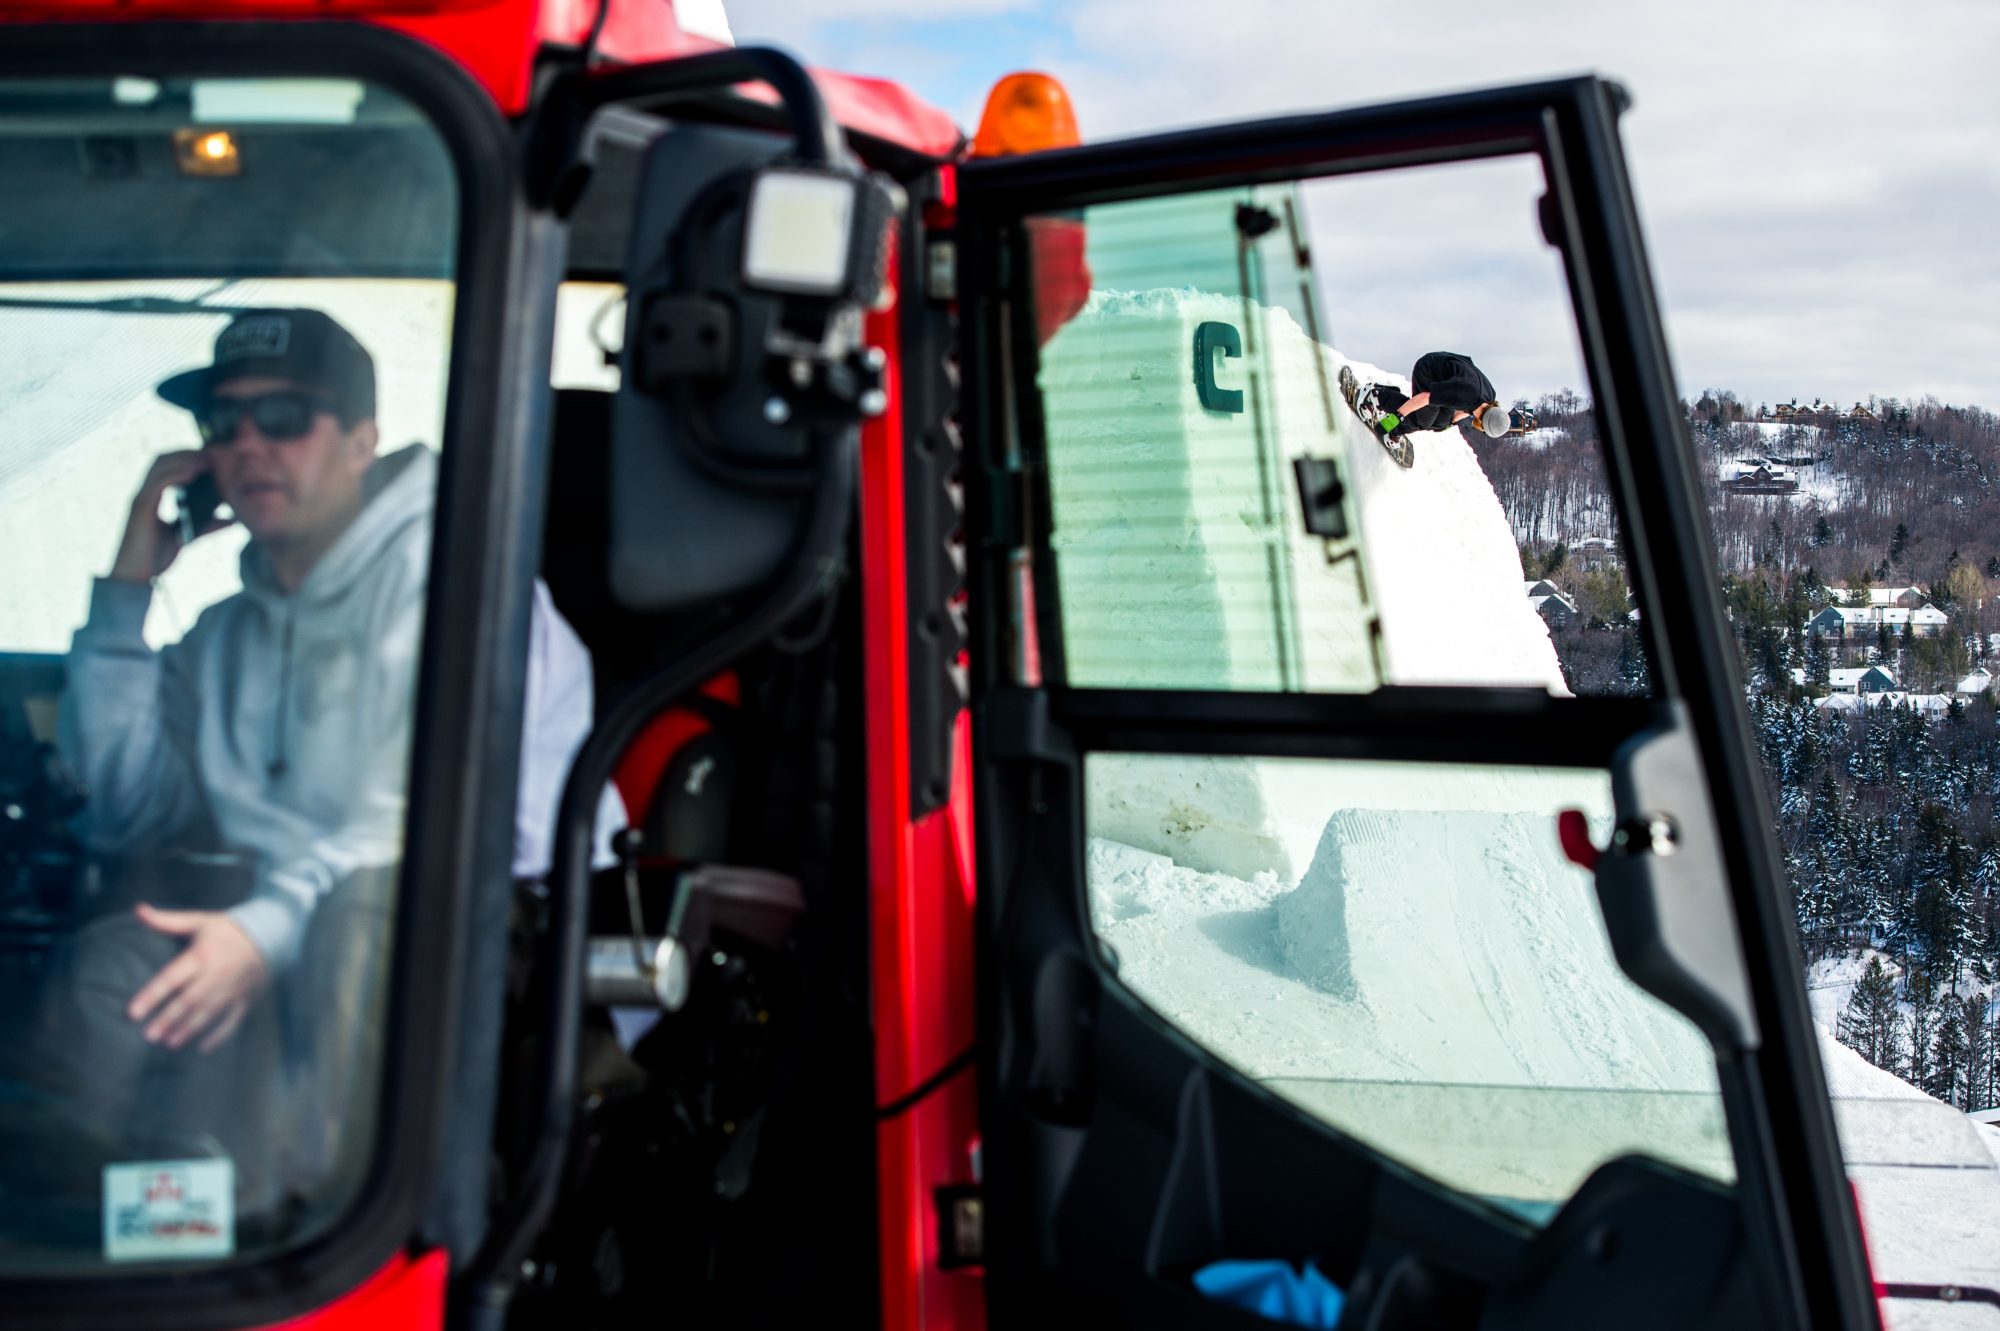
(199, 500)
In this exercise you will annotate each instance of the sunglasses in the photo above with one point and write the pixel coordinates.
(287, 414)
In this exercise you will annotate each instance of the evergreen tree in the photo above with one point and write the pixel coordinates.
(1923, 1036)
(1948, 1050)
(1899, 543)
(1940, 921)
(1871, 1024)
(1976, 1084)
(1633, 676)
(1819, 663)
(1822, 535)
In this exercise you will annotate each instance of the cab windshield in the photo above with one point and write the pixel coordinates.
(226, 311)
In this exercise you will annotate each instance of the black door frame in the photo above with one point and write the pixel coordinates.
(465, 746)
(1590, 212)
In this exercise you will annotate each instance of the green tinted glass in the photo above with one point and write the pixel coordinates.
(1403, 951)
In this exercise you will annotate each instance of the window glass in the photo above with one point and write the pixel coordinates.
(243, 288)
(1402, 950)
(1222, 516)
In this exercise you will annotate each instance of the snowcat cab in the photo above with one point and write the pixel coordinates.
(893, 487)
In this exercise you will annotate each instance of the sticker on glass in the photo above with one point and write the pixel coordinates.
(167, 1210)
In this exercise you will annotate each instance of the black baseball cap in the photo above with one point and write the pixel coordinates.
(306, 346)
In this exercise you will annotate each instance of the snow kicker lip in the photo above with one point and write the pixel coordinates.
(1401, 451)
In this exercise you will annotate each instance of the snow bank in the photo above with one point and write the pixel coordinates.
(1460, 1010)
(1437, 985)
(1155, 494)
(1184, 561)
(1928, 1181)
(1486, 947)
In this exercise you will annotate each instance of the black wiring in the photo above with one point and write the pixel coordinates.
(929, 1085)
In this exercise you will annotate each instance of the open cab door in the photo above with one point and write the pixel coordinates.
(1284, 958)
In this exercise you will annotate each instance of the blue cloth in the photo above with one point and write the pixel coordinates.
(1275, 1290)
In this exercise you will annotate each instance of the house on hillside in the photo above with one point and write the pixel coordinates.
(1863, 680)
(1980, 680)
(1860, 413)
(1862, 621)
(1930, 704)
(1557, 610)
(1761, 476)
(1910, 598)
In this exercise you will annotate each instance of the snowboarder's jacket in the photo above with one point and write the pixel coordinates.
(280, 725)
(1454, 383)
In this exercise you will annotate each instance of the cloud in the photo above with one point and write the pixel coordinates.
(1816, 176)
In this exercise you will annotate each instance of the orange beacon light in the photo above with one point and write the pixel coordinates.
(1026, 113)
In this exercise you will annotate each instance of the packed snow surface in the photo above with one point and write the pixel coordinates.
(1169, 517)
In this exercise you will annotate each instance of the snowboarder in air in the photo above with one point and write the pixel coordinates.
(1445, 388)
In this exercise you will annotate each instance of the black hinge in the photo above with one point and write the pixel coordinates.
(934, 517)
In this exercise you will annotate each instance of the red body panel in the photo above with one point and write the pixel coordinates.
(497, 42)
(921, 898)
(922, 889)
(407, 1294)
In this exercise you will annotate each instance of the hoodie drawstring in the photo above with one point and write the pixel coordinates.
(278, 765)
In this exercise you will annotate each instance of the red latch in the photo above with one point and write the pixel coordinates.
(1573, 830)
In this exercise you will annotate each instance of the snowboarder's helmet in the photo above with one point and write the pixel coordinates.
(1494, 419)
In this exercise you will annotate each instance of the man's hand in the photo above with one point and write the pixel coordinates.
(207, 989)
(149, 545)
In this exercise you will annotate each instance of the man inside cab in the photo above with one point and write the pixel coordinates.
(278, 729)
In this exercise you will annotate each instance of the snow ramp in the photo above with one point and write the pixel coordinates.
(1183, 559)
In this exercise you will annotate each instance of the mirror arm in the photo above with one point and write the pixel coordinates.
(555, 170)
(819, 139)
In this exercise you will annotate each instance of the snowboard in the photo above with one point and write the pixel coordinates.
(1378, 421)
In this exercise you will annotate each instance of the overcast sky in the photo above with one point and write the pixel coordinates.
(1820, 180)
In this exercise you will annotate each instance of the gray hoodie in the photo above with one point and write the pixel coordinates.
(280, 725)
